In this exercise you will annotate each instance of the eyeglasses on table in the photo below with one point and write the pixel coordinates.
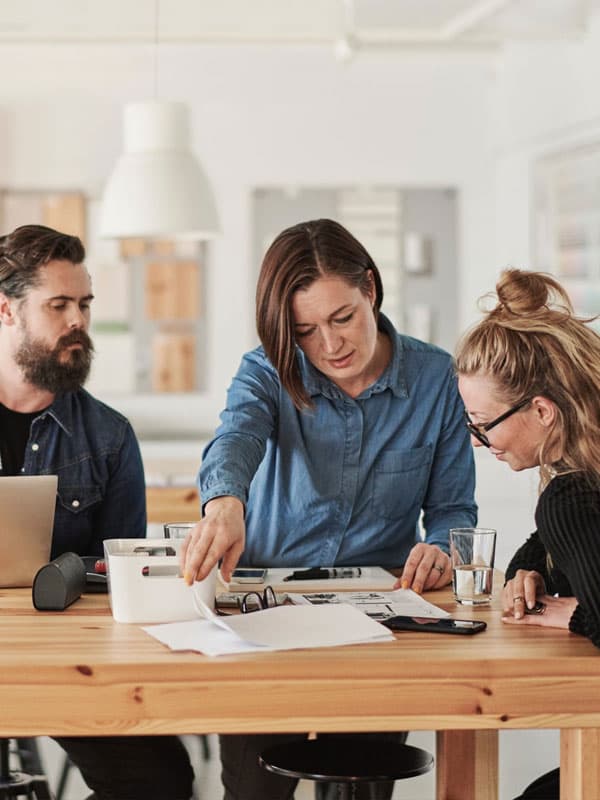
(254, 601)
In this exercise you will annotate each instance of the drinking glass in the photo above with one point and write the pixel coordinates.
(472, 552)
(177, 530)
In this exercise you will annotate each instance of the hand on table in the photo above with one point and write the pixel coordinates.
(220, 534)
(427, 567)
(556, 613)
(523, 591)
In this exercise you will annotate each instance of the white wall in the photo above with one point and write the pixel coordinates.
(548, 100)
(262, 116)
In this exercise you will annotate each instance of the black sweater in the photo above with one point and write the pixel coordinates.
(568, 530)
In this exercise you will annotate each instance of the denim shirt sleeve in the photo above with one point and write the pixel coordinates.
(230, 460)
(122, 514)
(449, 499)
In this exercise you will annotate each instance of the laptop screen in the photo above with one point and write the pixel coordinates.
(27, 504)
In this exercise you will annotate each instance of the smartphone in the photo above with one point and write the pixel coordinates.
(248, 575)
(428, 625)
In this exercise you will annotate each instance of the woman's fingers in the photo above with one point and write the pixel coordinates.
(427, 567)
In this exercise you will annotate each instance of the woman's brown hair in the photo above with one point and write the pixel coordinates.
(298, 257)
(532, 343)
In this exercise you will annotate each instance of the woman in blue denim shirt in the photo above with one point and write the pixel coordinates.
(338, 434)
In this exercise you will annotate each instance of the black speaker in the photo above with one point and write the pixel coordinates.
(59, 583)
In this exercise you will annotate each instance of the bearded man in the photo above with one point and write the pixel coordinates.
(49, 425)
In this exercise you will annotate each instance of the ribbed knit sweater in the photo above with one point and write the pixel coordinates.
(568, 530)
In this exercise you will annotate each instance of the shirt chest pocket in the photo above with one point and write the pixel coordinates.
(400, 479)
(78, 499)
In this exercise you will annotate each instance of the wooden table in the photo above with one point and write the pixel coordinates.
(79, 672)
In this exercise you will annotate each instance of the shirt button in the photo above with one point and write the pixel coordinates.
(35, 447)
(75, 503)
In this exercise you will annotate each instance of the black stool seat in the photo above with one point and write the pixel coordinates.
(343, 760)
(20, 784)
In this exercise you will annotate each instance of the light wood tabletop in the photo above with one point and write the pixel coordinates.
(79, 672)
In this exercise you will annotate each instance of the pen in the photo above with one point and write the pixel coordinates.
(161, 570)
(318, 573)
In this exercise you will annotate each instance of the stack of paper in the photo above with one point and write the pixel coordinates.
(280, 628)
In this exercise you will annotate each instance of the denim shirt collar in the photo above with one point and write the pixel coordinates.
(61, 411)
(393, 377)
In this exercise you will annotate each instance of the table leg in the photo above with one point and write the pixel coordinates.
(580, 763)
(467, 765)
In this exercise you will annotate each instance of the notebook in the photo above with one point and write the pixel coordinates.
(27, 504)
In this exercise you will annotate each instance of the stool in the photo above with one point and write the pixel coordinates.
(20, 784)
(347, 762)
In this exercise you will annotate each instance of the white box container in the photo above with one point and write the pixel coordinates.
(138, 597)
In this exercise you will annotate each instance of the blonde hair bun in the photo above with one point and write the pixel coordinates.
(522, 293)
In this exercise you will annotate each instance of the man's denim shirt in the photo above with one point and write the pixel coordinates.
(346, 481)
(93, 450)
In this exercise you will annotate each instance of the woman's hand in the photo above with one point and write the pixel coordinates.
(220, 534)
(427, 567)
(521, 591)
(556, 614)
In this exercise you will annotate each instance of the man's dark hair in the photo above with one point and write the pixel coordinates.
(27, 249)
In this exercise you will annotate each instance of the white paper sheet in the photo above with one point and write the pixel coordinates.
(202, 636)
(281, 628)
(378, 605)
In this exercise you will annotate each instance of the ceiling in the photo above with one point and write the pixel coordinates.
(348, 25)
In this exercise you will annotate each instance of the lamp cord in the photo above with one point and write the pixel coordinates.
(156, 26)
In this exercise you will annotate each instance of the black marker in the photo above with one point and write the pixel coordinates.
(320, 573)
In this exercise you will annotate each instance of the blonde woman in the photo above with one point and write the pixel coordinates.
(529, 376)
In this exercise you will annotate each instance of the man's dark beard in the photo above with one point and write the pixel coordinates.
(42, 367)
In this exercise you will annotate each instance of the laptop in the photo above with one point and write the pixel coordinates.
(27, 504)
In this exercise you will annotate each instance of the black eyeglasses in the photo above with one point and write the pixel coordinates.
(258, 601)
(479, 431)
(252, 601)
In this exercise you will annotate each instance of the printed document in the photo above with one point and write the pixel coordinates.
(377, 605)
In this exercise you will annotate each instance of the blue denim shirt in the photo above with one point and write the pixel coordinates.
(93, 450)
(345, 482)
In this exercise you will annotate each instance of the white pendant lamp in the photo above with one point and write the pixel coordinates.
(157, 188)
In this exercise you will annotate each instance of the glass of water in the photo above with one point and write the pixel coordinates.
(472, 552)
(177, 530)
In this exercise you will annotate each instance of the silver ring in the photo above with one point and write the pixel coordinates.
(539, 608)
(439, 568)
